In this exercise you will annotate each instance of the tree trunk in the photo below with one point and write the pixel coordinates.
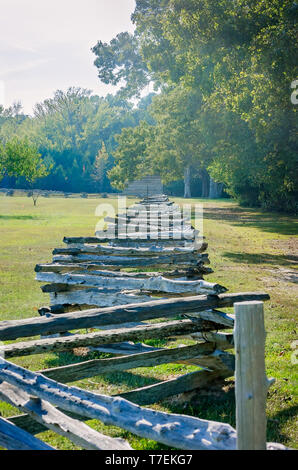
(215, 189)
(205, 183)
(187, 191)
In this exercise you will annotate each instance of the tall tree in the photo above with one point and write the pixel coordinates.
(70, 129)
(20, 158)
(131, 156)
(100, 166)
(240, 56)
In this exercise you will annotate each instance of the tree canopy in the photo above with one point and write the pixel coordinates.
(69, 131)
(224, 75)
(238, 60)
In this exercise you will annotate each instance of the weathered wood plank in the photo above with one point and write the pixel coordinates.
(185, 383)
(154, 235)
(12, 329)
(126, 251)
(185, 260)
(84, 268)
(183, 432)
(135, 333)
(125, 241)
(139, 243)
(68, 267)
(153, 284)
(251, 380)
(28, 424)
(53, 419)
(73, 372)
(214, 315)
(24, 421)
(161, 220)
(150, 226)
(14, 438)
(214, 361)
(222, 340)
(65, 308)
(153, 209)
(126, 348)
(97, 298)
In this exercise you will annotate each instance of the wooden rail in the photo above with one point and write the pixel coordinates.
(55, 406)
(125, 306)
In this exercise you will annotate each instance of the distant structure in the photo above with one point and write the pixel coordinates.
(147, 186)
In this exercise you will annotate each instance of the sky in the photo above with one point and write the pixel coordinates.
(45, 45)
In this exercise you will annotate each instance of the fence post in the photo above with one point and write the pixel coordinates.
(251, 380)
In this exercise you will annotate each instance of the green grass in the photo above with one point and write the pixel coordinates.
(249, 250)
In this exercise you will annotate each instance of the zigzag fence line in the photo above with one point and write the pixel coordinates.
(97, 285)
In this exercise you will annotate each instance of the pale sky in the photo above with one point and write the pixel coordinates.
(45, 45)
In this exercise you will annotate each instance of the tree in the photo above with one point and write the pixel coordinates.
(121, 62)
(20, 158)
(177, 149)
(172, 146)
(240, 56)
(131, 156)
(100, 165)
(69, 129)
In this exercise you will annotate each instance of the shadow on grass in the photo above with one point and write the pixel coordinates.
(20, 217)
(279, 421)
(266, 222)
(132, 380)
(215, 403)
(261, 258)
(115, 378)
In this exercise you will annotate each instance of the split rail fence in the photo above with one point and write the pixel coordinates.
(93, 284)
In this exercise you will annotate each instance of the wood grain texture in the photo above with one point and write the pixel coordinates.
(153, 284)
(251, 381)
(53, 419)
(180, 431)
(124, 241)
(12, 329)
(130, 261)
(14, 438)
(82, 370)
(126, 251)
(184, 383)
(129, 333)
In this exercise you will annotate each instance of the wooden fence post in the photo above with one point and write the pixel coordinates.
(251, 380)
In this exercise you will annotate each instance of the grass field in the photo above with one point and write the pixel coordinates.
(249, 250)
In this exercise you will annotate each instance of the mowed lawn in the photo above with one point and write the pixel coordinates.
(249, 251)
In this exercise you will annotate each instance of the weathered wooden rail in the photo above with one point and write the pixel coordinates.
(48, 404)
(91, 273)
(89, 288)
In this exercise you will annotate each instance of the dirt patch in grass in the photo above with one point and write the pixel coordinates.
(285, 275)
(289, 247)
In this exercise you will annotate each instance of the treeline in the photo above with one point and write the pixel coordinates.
(68, 143)
(223, 71)
(221, 114)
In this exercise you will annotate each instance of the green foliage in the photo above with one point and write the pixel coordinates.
(68, 130)
(100, 165)
(164, 147)
(21, 158)
(225, 71)
(177, 142)
(131, 157)
(110, 59)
